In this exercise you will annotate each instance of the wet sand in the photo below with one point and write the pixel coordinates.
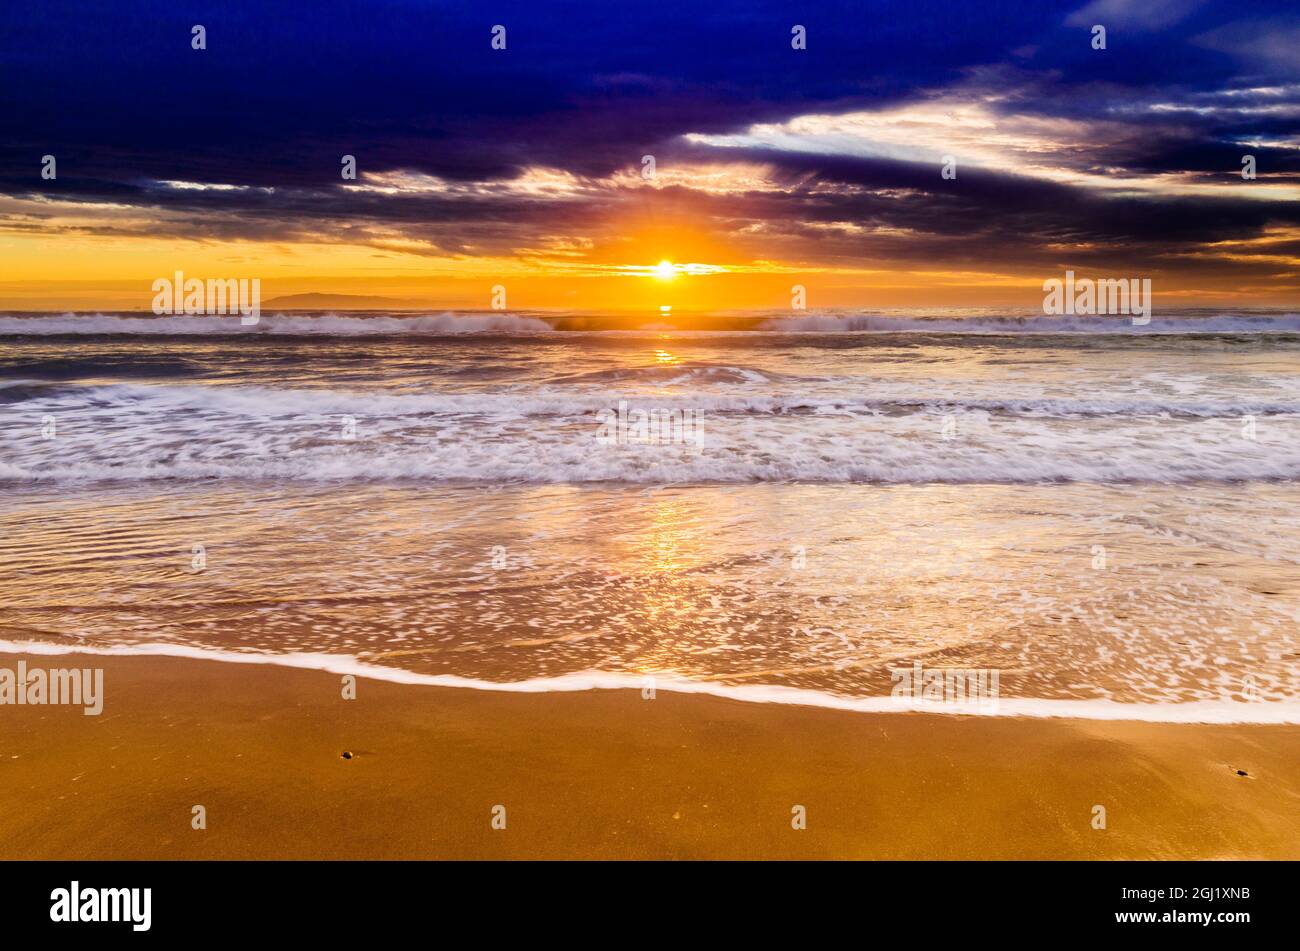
(607, 774)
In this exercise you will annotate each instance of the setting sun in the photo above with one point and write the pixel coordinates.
(665, 271)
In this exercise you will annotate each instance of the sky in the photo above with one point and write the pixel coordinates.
(525, 167)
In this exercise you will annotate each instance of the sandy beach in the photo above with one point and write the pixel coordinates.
(607, 774)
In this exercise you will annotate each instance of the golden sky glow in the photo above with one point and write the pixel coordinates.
(703, 230)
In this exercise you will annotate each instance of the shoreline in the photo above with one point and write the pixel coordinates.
(607, 774)
(1273, 713)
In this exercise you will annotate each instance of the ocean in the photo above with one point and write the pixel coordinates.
(792, 508)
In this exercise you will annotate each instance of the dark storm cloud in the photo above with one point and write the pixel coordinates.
(283, 88)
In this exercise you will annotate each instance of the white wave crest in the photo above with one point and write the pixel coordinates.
(340, 664)
(267, 401)
(329, 325)
(867, 323)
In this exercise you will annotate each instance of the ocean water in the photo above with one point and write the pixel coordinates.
(1106, 515)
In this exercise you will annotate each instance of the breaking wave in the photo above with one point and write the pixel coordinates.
(449, 324)
(867, 323)
(328, 325)
(263, 401)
